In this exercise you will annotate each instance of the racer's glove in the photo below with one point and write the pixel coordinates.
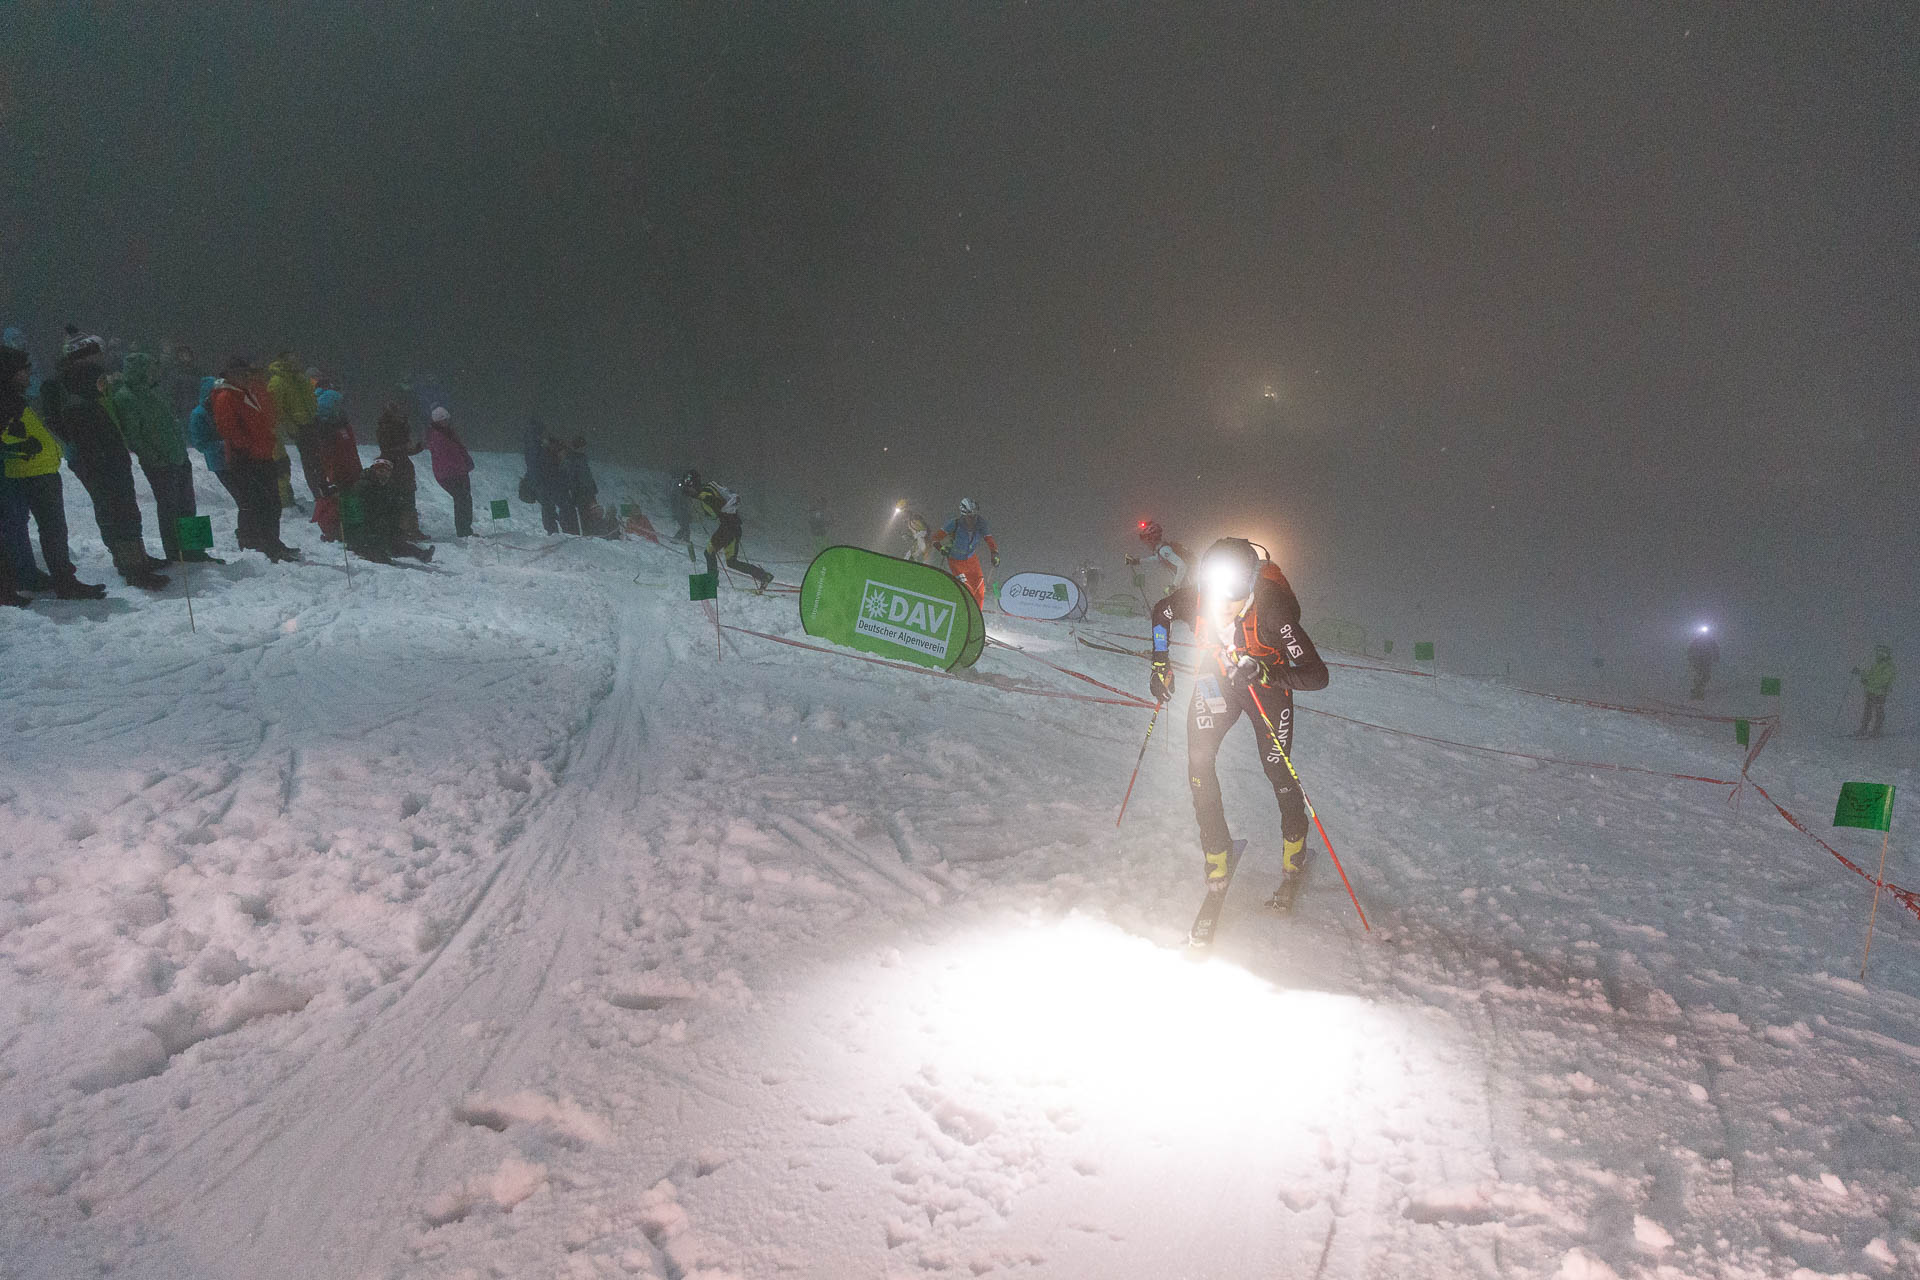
(1247, 670)
(995, 558)
(1160, 680)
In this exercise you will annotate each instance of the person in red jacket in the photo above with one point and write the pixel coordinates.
(244, 418)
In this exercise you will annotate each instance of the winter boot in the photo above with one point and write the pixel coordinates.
(1219, 866)
(11, 599)
(146, 580)
(200, 557)
(152, 563)
(71, 588)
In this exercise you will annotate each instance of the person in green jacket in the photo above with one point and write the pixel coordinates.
(1877, 680)
(144, 414)
(298, 406)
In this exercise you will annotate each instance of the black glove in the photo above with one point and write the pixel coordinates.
(1247, 670)
(996, 559)
(25, 447)
(1160, 681)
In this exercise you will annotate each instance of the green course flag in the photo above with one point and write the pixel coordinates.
(1741, 729)
(1423, 651)
(499, 508)
(1388, 644)
(703, 586)
(626, 509)
(1865, 804)
(1770, 686)
(1139, 579)
(196, 533)
(894, 608)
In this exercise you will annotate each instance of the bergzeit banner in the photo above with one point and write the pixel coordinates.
(892, 608)
(1042, 595)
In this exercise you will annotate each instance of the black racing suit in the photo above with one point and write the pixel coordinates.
(1267, 627)
(724, 506)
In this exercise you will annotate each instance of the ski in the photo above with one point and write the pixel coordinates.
(1207, 922)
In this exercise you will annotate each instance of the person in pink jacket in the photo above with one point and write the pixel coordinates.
(452, 464)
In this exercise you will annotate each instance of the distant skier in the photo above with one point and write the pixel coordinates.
(1877, 680)
(1253, 655)
(960, 543)
(1090, 574)
(919, 539)
(723, 505)
(1701, 655)
(1169, 553)
(817, 526)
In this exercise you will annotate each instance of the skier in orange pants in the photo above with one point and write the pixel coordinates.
(960, 541)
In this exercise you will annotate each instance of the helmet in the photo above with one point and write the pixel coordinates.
(969, 507)
(690, 482)
(1229, 569)
(1151, 532)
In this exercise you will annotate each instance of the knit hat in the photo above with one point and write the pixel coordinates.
(440, 413)
(78, 345)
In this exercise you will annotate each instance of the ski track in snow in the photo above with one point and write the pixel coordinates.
(477, 923)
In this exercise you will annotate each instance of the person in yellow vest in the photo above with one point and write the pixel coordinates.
(32, 464)
(1877, 680)
(297, 405)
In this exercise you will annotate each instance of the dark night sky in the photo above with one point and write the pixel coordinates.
(1571, 312)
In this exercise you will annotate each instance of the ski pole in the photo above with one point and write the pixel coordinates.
(1274, 735)
(1151, 721)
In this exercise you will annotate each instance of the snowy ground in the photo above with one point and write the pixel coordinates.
(473, 920)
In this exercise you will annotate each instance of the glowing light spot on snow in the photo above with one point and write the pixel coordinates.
(1139, 1031)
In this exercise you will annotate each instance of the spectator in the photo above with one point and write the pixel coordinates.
(181, 379)
(582, 492)
(148, 426)
(540, 484)
(32, 470)
(1877, 681)
(99, 458)
(556, 489)
(202, 436)
(452, 467)
(299, 412)
(397, 446)
(340, 461)
(373, 515)
(243, 415)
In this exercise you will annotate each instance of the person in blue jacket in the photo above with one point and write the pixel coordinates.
(202, 436)
(960, 543)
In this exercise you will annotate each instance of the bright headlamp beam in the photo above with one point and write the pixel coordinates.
(1224, 581)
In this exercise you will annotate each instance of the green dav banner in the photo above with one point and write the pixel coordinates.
(891, 608)
(1865, 804)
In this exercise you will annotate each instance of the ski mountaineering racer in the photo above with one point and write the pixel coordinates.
(919, 539)
(1167, 552)
(1253, 655)
(960, 543)
(723, 504)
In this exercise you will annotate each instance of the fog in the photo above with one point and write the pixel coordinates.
(1541, 332)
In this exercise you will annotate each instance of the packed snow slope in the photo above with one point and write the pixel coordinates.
(495, 918)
